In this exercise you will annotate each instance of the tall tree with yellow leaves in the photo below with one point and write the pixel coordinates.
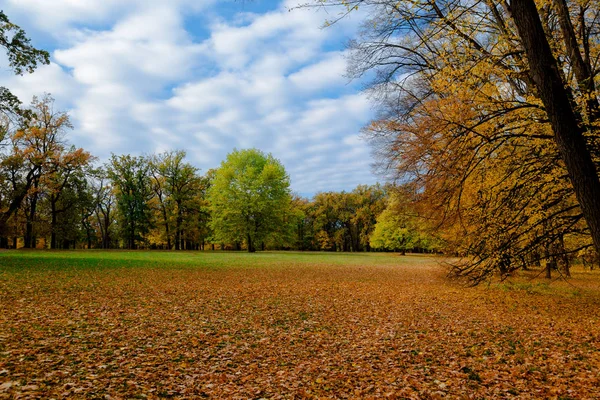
(482, 121)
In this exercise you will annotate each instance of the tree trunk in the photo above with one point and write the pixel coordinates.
(53, 225)
(106, 235)
(581, 68)
(568, 134)
(178, 222)
(549, 266)
(251, 248)
(167, 229)
(29, 238)
(565, 262)
(89, 238)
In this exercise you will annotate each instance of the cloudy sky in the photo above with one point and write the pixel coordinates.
(206, 76)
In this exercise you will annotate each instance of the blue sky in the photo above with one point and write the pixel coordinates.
(145, 76)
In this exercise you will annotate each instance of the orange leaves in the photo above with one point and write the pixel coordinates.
(320, 327)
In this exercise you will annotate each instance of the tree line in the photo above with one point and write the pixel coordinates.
(56, 196)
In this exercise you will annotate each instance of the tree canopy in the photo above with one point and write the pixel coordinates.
(490, 109)
(22, 57)
(249, 198)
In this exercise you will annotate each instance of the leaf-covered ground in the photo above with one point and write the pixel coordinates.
(287, 325)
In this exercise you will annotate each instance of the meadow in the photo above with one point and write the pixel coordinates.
(117, 324)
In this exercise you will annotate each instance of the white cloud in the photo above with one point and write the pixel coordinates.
(56, 16)
(324, 74)
(142, 84)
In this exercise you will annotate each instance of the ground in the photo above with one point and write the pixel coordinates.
(287, 325)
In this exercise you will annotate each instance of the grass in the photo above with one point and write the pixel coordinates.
(90, 324)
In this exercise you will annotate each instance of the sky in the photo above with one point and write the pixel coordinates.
(205, 76)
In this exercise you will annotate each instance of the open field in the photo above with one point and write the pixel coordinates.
(287, 325)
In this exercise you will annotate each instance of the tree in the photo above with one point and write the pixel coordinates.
(181, 183)
(22, 57)
(400, 228)
(484, 106)
(370, 203)
(394, 233)
(39, 151)
(344, 221)
(567, 118)
(105, 202)
(249, 198)
(130, 178)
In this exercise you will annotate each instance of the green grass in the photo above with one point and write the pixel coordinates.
(22, 260)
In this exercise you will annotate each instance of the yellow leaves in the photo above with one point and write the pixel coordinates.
(206, 325)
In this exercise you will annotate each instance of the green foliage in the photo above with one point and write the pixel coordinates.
(178, 189)
(22, 57)
(400, 228)
(130, 178)
(344, 221)
(393, 232)
(249, 199)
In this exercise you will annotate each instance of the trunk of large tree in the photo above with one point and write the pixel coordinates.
(568, 134)
(106, 235)
(166, 218)
(251, 248)
(29, 238)
(581, 66)
(53, 225)
(178, 223)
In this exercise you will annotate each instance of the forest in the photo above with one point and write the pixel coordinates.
(56, 196)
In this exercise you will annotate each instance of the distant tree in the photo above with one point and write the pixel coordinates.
(38, 153)
(369, 203)
(400, 228)
(203, 215)
(181, 182)
(130, 178)
(303, 218)
(164, 203)
(345, 220)
(393, 232)
(327, 221)
(105, 206)
(249, 198)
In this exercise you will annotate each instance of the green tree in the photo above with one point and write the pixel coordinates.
(393, 232)
(22, 57)
(181, 182)
(131, 181)
(249, 198)
(400, 227)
